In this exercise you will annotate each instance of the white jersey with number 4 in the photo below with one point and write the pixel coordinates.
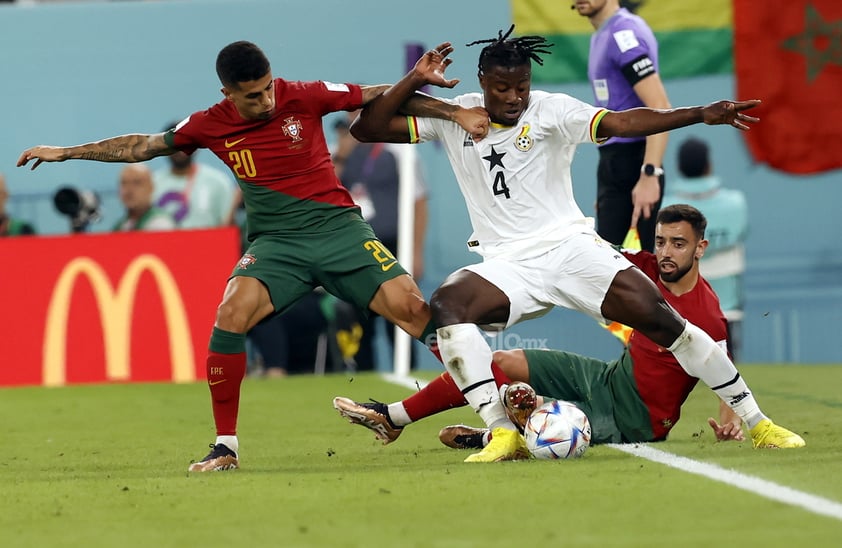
(516, 181)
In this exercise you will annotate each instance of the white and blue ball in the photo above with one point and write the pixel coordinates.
(557, 430)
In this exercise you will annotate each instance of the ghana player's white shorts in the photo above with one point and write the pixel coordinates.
(574, 275)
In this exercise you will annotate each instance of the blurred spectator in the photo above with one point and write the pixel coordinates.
(345, 143)
(8, 225)
(723, 264)
(370, 171)
(136, 189)
(195, 195)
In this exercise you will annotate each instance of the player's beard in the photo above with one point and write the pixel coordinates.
(674, 275)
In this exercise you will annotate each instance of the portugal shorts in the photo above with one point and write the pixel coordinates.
(605, 391)
(350, 263)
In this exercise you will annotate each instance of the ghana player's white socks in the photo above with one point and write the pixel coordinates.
(701, 357)
(467, 357)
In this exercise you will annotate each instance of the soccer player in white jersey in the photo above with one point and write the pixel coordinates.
(538, 248)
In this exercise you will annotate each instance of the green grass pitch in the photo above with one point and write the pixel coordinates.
(107, 466)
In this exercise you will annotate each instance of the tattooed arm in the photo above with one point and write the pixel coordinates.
(125, 148)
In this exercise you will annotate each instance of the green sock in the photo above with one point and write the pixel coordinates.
(226, 342)
(428, 337)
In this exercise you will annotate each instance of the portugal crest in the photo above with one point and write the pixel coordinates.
(292, 128)
(246, 260)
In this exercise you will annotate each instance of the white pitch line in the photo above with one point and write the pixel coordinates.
(764, 488)
(758, 486)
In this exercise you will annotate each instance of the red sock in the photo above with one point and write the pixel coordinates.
(225, 374)
(442, 394)
(499, 377)
(435, 350)
(439, 395)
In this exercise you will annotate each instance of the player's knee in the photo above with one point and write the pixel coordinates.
(512, 363)
(231, 317)
(409, 311)
(446, 308)
(417, 312)
(503, 359)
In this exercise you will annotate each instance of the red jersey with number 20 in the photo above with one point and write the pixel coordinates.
(282, 164)
(661, 381)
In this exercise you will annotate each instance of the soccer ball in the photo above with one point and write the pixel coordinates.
(557, 430)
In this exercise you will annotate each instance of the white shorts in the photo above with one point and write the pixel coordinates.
(574, 275)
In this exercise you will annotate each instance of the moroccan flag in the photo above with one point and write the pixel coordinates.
(789, 54)
(694, 36)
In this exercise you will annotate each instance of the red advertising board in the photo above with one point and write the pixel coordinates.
(123, 307)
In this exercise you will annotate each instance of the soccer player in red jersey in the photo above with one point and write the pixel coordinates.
(636, 398)
(304, 229)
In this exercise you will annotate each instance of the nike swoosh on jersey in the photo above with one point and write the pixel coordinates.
(387, 267)
(238, 141)
(214, 383)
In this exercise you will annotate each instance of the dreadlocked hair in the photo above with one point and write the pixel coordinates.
(511, 52)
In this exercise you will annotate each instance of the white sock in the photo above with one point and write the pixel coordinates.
(467, 357)
(398, 414)
(230, 442)
(701, 357)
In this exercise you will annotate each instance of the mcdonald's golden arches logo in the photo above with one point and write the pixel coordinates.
(116, 305)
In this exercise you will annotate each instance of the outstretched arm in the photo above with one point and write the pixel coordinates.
(639, 122)
(473, 120)
(125, 148)
(380, 120)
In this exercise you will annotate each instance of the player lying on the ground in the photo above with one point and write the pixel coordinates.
(636, 398)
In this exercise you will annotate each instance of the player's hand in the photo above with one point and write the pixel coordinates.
(730, 113)
(727, 431)
(645, 195)
(432, 65)
(474, 120)
(41, 154)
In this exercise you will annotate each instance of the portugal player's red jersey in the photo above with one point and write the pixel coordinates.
(662, 383)
(282, 164)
